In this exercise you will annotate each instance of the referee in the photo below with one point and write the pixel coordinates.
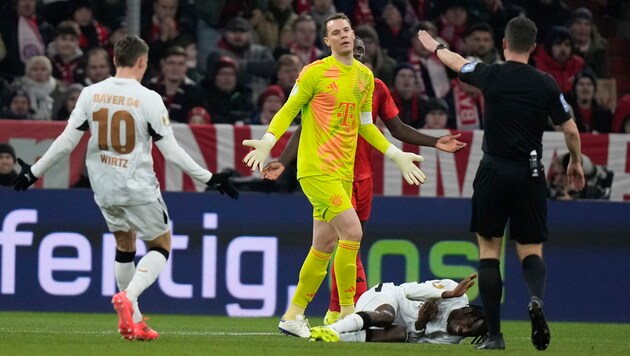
(510, 181)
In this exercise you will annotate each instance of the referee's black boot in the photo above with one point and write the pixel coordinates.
(492, 342)
(540, 330)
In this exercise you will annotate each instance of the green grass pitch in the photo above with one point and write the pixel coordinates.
(26, 333)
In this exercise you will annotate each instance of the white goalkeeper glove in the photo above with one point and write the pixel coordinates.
(405, 163)
(259, 152)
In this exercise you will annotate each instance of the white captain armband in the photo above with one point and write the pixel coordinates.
(366, 118)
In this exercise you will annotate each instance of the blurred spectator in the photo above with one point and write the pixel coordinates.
(212, 16)
(288, 68)
(42, 88)
(546, 14)
(55, 11)
(7, 164)
(406, 96)
(598, 180)
(361, 12)
(255, 62)
(479, 40)
(111, 13)
(269, 102)
(393, 32)
(25, 35)
(199, 116)
(179, 93)
(228, 102)
(3, 49)
(320, 10)
(116, 35)
(304, 38)
(66, 56)
(192, 54)
(17, 106)
(165, 25)
(453, 23)
(274, 26)
(466, 106)
(589, 44)
(382, 65)
(432, 76)
(98, 66)
(556, 57)
(67, 101)
(589, 115)
(92, 33)
(621, 118)
(435, 114)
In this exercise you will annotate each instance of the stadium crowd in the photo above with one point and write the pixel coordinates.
(235, 62)
(223, 61)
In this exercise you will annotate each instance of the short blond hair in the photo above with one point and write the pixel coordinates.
(38, 60)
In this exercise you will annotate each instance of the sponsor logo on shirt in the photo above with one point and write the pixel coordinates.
(438, 285)
(294, 90)
(333, 87)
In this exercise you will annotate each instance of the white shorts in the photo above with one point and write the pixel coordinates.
(384, 293)
(149, 220)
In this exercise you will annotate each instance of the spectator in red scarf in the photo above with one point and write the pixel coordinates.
(25, 35)
(589, 115)
(304, 38)
(432, 75)
(406, 96)
(621, 119)
(556, 57)
(67, 58)
(392, 30)
(93, 33)
(453, 23)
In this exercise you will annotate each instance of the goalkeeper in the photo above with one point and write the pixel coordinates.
(435, 312)
(335, 97)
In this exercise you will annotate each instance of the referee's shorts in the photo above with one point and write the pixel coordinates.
(504, 189)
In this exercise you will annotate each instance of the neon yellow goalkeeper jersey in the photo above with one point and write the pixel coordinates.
(332, 97)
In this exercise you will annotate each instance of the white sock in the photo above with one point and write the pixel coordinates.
(352, 322)
(149, 268)
(355, 336)
(124, 273)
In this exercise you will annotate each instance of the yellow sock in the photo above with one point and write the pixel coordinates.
(346, 273)
(312, 274)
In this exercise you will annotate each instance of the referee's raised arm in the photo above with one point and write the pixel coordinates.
(451, 59)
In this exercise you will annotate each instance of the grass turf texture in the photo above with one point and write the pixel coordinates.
(25, 333)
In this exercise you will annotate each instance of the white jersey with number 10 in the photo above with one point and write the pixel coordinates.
(122, 116)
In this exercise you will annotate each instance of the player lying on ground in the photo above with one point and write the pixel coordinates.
(435, 311)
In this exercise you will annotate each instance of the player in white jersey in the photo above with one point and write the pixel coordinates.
(124, 118)
(435, 311)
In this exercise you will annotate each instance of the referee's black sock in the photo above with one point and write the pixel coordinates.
(535, 275)
(491, 290)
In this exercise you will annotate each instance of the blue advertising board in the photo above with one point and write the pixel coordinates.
(242, 257)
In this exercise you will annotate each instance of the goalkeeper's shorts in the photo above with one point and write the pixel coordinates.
(329, 196)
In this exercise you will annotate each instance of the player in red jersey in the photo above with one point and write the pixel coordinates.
(383, 106)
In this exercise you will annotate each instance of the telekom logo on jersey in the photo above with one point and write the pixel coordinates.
(11, 240)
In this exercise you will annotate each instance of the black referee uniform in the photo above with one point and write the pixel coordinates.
(519, 99)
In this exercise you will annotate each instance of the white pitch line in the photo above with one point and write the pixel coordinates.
(179, 333)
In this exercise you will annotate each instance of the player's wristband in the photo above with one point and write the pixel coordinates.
(439, 46)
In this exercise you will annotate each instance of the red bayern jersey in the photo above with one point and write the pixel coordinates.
(383, 106)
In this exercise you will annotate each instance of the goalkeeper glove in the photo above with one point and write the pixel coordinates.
(405, 163)
(26, 177)
(259, 152)
(221, 182)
